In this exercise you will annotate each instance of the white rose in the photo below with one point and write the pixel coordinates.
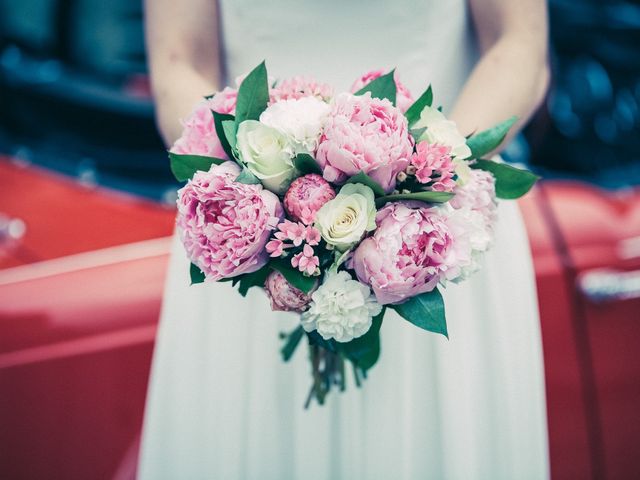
(344, 220)
(443, 132)
(266, 152)
(341, 308)
(301, 120)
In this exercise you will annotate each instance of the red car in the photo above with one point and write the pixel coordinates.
(80, 296)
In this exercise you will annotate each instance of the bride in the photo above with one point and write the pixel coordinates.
(221, 403)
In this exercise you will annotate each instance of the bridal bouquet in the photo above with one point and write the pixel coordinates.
(340, 206)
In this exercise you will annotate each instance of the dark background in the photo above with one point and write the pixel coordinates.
(74, 94)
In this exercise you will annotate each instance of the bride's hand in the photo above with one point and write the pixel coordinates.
(183, 57)
(512, 75)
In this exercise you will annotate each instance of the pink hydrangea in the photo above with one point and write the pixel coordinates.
(404, 99)
(298, 87)
(364, 134)
(478, 194)
(434, 166)
(407, 255)
(224, 225)
(305, 197)
(199, 135)
(284, 296)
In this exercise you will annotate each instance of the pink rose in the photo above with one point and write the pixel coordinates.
(225, 225)
(403, 96)
(298, 87)
(407, 254)
(364, 134)
(305, 197)
(434, 166)
(284, 296)
(199, 135)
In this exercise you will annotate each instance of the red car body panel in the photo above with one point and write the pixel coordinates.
(593, 232)
(77, 330)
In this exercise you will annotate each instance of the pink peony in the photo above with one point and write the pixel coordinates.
(298, 87)
(199, 135)
(224, 225)
(284, 296)
(403, 96)
(364, 134)
(407, 254)
(434, 166)
(305, 197)
(478, 194)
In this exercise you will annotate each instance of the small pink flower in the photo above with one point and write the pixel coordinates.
(364, 134)
(298, 87)
(199, 135)
(296, 232)
(306, 195)
(284, 296)
(403, 96)
(434, 165)
(275, 248)
(306, 261)
(313, 235)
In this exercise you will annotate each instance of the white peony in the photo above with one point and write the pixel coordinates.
(267, 153)
(341, 308)
(300, 119)
(443, 132)
(472, 238)
(471, 217)
(343, 220)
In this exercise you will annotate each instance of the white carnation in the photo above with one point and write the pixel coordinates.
(443, 132)
(341, 308)
(300, 120)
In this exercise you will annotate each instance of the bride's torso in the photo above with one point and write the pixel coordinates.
(336, 41)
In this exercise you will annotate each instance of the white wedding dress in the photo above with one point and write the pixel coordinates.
(223, 405)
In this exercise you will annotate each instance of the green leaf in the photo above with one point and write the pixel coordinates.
(414, 111)
(293, 276)
(247, 177)
(305, 163)
(218, 118)
(416, 133)
(196, 274)
(253, 95)
(488, 140)
(183, 167)
(316, 339)
(428, 197)
(381, 87)
(425, 311)
(511, 182)
(230, 128)
(253, 279)
(364, 351)
(365, 179)
(293, 339)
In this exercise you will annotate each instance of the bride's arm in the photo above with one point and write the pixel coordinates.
(512, 74)
(183, 56)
